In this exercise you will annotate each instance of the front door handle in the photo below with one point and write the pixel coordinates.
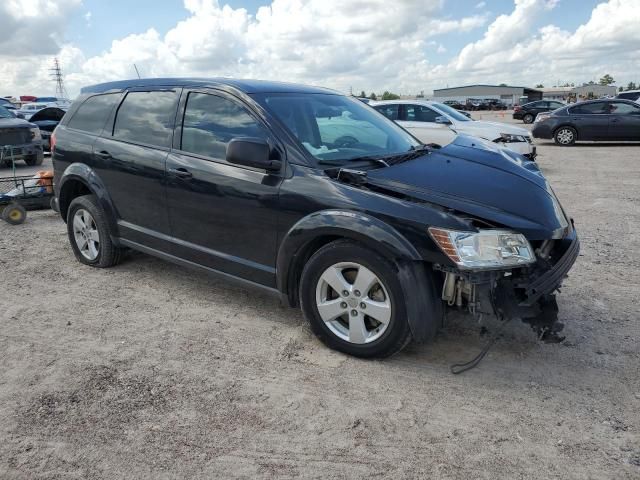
(181, 172)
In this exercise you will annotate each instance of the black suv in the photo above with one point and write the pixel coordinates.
(528, 112)
(314, 196)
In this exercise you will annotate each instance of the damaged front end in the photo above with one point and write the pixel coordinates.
(526, 292)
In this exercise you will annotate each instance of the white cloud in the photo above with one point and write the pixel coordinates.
(481, 4)
(361, 43)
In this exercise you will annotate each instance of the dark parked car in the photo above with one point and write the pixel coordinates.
(47, 120)
(633, 95)
(494, 104)
(316, 197)
(19, 140)
(598, 120)
(528, 112)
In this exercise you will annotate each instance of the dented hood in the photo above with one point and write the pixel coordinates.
(478, 178)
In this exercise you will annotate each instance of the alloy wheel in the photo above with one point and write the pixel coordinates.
(565, 136)
(85, 233)
(353, 303)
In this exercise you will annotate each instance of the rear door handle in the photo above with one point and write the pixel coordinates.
(181, 172)
(104, 155)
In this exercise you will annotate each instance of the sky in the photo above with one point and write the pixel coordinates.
(404, 46)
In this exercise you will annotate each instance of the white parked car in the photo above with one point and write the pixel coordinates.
(434, 122)
(30, 109)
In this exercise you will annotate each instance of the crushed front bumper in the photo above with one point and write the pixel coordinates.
(19, 152)
(526, 293)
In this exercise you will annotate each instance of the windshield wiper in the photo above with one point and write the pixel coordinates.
(344, 163)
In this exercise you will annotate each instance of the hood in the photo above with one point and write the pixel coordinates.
(483, 180)
(15, 123)
(489, 130)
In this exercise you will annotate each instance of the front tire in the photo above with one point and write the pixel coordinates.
(353, 300)
(89, 233)
(34, 160)
(565, 136)
(14, 214)
(528, 118)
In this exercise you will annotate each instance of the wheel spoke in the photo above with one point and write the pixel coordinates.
(331, 309)
(78, 224)
(365, 279)
(93, 251)
(93, 235)
(380, 311)
(82, 243)
(86, 218)
(357, 329)
(333, 276)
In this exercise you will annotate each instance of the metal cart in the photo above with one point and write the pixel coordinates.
(21, 193)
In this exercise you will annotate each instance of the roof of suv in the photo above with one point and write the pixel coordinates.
(246, 86)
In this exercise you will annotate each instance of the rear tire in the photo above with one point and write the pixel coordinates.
(565, 136)
(90, 235)
(370, 322)
(528, 118)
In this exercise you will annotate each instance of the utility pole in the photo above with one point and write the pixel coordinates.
(56, 75)
(137, 72)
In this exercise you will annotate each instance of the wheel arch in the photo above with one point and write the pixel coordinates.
(319, 228)
(77, 180)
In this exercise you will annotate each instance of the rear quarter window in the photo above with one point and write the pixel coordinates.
(93, 113)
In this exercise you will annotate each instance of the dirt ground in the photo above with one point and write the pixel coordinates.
(149, 370)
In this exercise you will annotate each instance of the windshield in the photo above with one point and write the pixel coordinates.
(337, 128)
(4, 113)
(451, 112)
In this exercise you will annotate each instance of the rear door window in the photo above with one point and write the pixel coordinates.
(93, 113)
(621, 108)
(147, 117)
(210, 122)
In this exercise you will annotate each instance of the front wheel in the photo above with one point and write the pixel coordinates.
(14, 214)
(565, 136)
(34, 160)
(353, 299)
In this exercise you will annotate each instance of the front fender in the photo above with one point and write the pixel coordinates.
(358, 226)
(79, 172)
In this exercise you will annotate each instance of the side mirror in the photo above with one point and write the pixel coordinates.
(443, 120)
(252, 152)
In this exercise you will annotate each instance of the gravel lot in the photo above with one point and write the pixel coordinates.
(148, 370)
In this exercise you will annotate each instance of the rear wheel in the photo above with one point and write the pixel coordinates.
(565, 136)
(14, 214)
(528, 118)
(89, 233)
(354, 301)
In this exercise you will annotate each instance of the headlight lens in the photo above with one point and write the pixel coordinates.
(485, 249)
(35, 133)
(510, 138)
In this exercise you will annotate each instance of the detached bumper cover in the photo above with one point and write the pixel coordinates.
(552, 278)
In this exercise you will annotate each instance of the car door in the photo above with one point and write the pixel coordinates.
(624, 121)
(590, 119)
(130, 158)
(223, 216)
(420, 120)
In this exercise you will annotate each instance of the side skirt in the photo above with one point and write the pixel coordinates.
(186, 263)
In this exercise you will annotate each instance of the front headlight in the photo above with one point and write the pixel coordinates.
(485, 249)
(35, 133)
(510, 138)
